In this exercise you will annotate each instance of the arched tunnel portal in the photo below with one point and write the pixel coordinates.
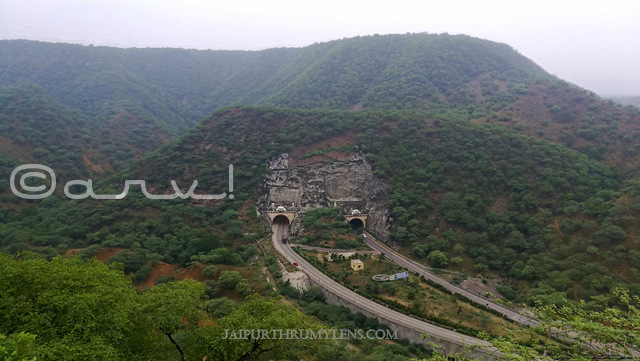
(356, 224)
(358, 221)
(277, 217)
(281, 219)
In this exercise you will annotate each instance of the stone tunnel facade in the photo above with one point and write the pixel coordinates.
(348, 184)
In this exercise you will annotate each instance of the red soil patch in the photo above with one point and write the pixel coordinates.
(95, 168)
(72, 252)
(15, 150)
(149, 212)
(104, 254)
(296, 157)
(500, 205)
(161, 269)
(193, 272)
(357, 106)
(206, 322)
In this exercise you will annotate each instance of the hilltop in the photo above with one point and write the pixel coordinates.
(133, 100)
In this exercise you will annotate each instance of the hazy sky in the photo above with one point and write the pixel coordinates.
(594, 44)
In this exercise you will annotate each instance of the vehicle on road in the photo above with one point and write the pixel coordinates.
(284, 239)
(295, 264)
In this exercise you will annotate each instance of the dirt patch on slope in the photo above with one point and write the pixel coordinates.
(299, 156)
(161, 269)
(193, 272)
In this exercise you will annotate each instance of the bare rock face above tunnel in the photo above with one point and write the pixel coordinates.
(347, 184)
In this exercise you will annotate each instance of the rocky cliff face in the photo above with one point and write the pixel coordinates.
(346, 184)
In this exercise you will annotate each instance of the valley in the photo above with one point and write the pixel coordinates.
(466, 158)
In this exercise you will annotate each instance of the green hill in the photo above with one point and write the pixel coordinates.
(134, 100)
(548, 219)
(439, 121)
(153, 95)
(392, 71)
(483, 163)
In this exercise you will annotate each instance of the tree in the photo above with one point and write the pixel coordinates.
(174, 307)
(222, 342)
(17, 347)
(210, 271)
(229, 279)
(608, 333)
(243, 287)
(77, 310)
(438, 259)
(219, 307)
(616, 327)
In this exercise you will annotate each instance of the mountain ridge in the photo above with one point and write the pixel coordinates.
(166, 91)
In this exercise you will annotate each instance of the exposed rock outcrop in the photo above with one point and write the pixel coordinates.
(347, 184)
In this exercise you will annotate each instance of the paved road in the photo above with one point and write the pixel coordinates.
(280, 229)
(416, 267)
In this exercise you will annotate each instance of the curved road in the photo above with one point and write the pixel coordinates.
(280, 229)
(416, 267)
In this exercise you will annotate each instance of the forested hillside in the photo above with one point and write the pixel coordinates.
(35, 127)
(486, 200)
(493, 168)
(133, 100)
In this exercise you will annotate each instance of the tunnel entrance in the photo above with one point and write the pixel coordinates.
(281, 216)
(280, 219)
(356, 225)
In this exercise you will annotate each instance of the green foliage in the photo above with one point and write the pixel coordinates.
(229, 279)
(65, 303)
(256, 313)
(210, 271)
(495, 194)
(507, 292)
(71, 96)
(501, 202)
(171, 304)
(77, 310)
(17, 347)
(612, 332)
(438, 259)
(219, 307)
(243, 287)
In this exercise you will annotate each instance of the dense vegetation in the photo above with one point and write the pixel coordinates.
(130, 101)
(74, 310)
(326, 227)
(511, 202)
(553, 221)
(494, 168)
(391, 71)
